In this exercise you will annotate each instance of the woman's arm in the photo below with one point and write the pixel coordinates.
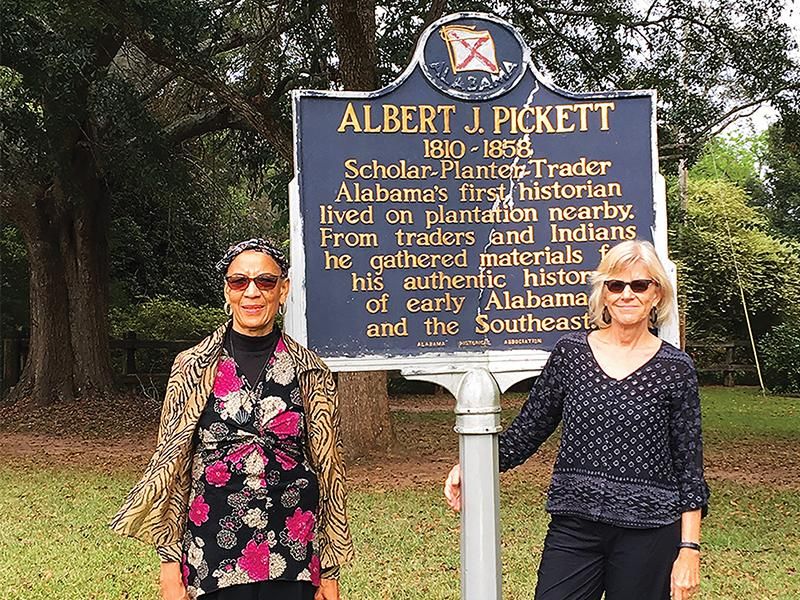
(171, 582)
(539, 417)
(686, 443)
(686, 446)
(686, 568)
(325, 449)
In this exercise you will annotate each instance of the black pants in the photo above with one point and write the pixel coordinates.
(265, 590)
(582, 559)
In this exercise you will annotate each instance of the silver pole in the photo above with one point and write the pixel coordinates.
(478, 423)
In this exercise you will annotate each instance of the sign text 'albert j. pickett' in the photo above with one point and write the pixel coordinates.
(460, 211)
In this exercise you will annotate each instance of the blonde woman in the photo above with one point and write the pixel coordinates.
(628, 490)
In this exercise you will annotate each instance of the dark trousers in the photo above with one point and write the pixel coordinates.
(265, 590)
(582, 559)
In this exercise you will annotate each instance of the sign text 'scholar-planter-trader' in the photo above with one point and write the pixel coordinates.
(457, 214)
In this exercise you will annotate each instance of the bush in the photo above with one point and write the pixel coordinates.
(165, 319)
(780, 353)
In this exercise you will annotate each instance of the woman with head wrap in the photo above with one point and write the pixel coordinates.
(244, 497)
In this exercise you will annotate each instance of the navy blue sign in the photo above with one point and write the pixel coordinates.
(462, 209)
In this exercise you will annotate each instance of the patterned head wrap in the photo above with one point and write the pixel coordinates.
(258, 244)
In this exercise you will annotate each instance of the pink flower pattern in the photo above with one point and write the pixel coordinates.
(226, 380)
(198, 511)
(255, 560)
(217, 474)
(301, 526)
(285, 424)
(315, 570)
(242, 493)
(281, 347)
(285, 461)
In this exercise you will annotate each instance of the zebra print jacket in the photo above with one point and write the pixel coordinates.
(155, 509)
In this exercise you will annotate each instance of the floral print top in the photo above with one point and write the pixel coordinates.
(254, 497)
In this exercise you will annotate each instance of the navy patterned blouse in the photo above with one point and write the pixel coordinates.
(631, 450)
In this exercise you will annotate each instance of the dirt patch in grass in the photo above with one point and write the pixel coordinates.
(119, 434)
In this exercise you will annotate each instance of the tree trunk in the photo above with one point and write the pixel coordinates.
(65, 236)
(364, 408)
(47, 375)
(354, 22)
(84, 246)
(366, 421)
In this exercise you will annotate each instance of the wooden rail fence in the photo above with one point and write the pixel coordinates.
(15, 351)
(728, 367)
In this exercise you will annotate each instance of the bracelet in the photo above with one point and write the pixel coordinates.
(690, 545)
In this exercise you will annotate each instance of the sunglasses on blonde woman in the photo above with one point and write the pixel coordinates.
(617, 286)
(264, 282)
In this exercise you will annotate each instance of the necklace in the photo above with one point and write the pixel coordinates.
(244, 376)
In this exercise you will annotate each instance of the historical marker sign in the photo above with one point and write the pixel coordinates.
(454, 216)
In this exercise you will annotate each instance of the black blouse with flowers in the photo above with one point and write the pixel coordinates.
(254, 497)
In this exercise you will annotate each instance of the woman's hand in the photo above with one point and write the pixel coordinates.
(685, 579)
(452, 488)
(328, 590)
(171, 582)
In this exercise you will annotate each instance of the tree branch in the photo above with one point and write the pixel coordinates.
(196, 125)
(256, 116)
(719, 124)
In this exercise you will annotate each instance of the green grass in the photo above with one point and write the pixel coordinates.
(57, 546)
(735, 413)
(54, 542)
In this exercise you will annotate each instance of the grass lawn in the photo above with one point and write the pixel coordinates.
(54, 543)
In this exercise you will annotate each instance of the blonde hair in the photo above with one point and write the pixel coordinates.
(620, 257)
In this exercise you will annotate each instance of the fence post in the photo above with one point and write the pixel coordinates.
(729, 382)
(130, 353)
(12, 353)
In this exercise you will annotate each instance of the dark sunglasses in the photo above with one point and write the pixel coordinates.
(264, 282)
(617, 286)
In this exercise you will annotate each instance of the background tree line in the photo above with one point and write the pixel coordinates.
(138, 139)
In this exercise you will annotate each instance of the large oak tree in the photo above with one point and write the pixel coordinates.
(228, 65)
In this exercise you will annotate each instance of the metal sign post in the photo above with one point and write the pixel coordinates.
(477, 424)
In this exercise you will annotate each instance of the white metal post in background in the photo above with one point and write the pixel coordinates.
(478, 423)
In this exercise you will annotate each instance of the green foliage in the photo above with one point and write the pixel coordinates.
(737, 159)
(780, 353)
(783, 175)
(13, 282)
(166, 319)
(726, 240)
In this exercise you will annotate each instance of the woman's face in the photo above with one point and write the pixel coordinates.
(253, 309)
(628, 308)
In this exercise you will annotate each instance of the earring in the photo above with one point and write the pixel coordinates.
(653, 316)
(228, 309)
(282, 309)
(606, 316)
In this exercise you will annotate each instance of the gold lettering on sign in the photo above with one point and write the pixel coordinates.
(422, 118)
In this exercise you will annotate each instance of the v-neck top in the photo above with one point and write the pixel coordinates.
(631, 451)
